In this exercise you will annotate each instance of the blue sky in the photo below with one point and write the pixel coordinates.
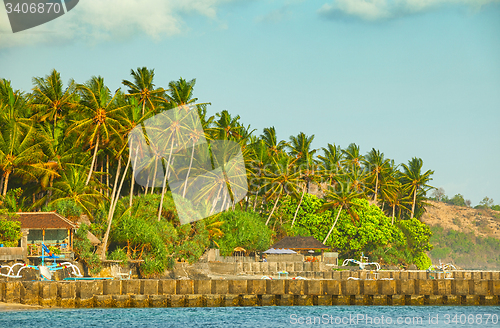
(412, 78)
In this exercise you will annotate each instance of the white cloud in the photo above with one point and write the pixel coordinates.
(376, 10)
(98, 20)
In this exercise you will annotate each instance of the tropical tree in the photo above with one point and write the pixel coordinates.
(280, 178)
(50, 100)
(72, 186)
(143, 89)
(99, 112)
(342, 198)
(413, 178)
(377, 165)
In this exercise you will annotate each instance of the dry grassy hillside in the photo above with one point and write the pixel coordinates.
(483, 223)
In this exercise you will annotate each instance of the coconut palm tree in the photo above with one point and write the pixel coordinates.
(143, 89)
(413, 178)
(342, 198)
(72, 186)
(99, 111)
(281, 178)
(376, 164)
(274, 146)
(352, 157)
(50, 100)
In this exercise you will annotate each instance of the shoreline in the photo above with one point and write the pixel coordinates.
(4, 307)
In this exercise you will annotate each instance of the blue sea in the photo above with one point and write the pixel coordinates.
(261, 317)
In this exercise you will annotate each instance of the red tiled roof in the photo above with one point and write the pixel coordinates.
(43, 220)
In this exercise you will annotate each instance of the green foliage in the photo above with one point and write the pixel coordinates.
(119, 255)
(13, 201)
(84, 250)
(465, 249)
(417, 235)
(67, 208)
(373, 231)
(10, 232)
(309, 221)
(457, 200)
(422, 261)
(243, 229)
(159, 244)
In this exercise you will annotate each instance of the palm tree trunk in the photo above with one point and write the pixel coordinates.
(376, 189)
(133, 176)
(414, 201)
(274, 207)
(189, 170)
(167, 169)
(93, 160)
(120, 188)
(300, 202)
(154, 175)
(5, 183)
(393, 212)
(107, 175)
(1, 184)
(106, 235)
(334, 223)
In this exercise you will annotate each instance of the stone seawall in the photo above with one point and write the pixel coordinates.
(212, 293)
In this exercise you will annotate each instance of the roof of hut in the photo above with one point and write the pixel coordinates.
(43, 220)
(299, 242)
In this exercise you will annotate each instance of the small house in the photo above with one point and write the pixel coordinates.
(49, 228)
(311, 248)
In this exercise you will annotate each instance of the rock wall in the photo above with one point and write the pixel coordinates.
(411, 288)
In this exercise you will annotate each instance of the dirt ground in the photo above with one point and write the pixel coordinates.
(481, 222)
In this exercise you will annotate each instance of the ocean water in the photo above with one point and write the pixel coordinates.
(261, 317)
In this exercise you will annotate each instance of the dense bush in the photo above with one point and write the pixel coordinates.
(84, 250)
(243, 229)
(465, 249)
(10, 232)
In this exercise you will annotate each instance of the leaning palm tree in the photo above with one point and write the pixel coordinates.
(143, 89)
(99, 122)
(413, 178)
(342, 198)
(280, 178)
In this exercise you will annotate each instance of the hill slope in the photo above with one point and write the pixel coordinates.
(467, 237)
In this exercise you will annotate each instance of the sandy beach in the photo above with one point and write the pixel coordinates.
(18, 307)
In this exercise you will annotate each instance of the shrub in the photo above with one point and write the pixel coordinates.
(10, 232)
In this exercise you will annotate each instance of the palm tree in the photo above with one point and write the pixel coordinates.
(413, 178)
(144, 90)
(330, 165)
(72, 186)
(274, 146)
(50, 100)
(280, 178)
(342, 198)
(99, 122)
(18, 154)
(352, 156)
(376, 165)
(130, 117)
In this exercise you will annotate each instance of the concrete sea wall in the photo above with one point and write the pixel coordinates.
(286, 292)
